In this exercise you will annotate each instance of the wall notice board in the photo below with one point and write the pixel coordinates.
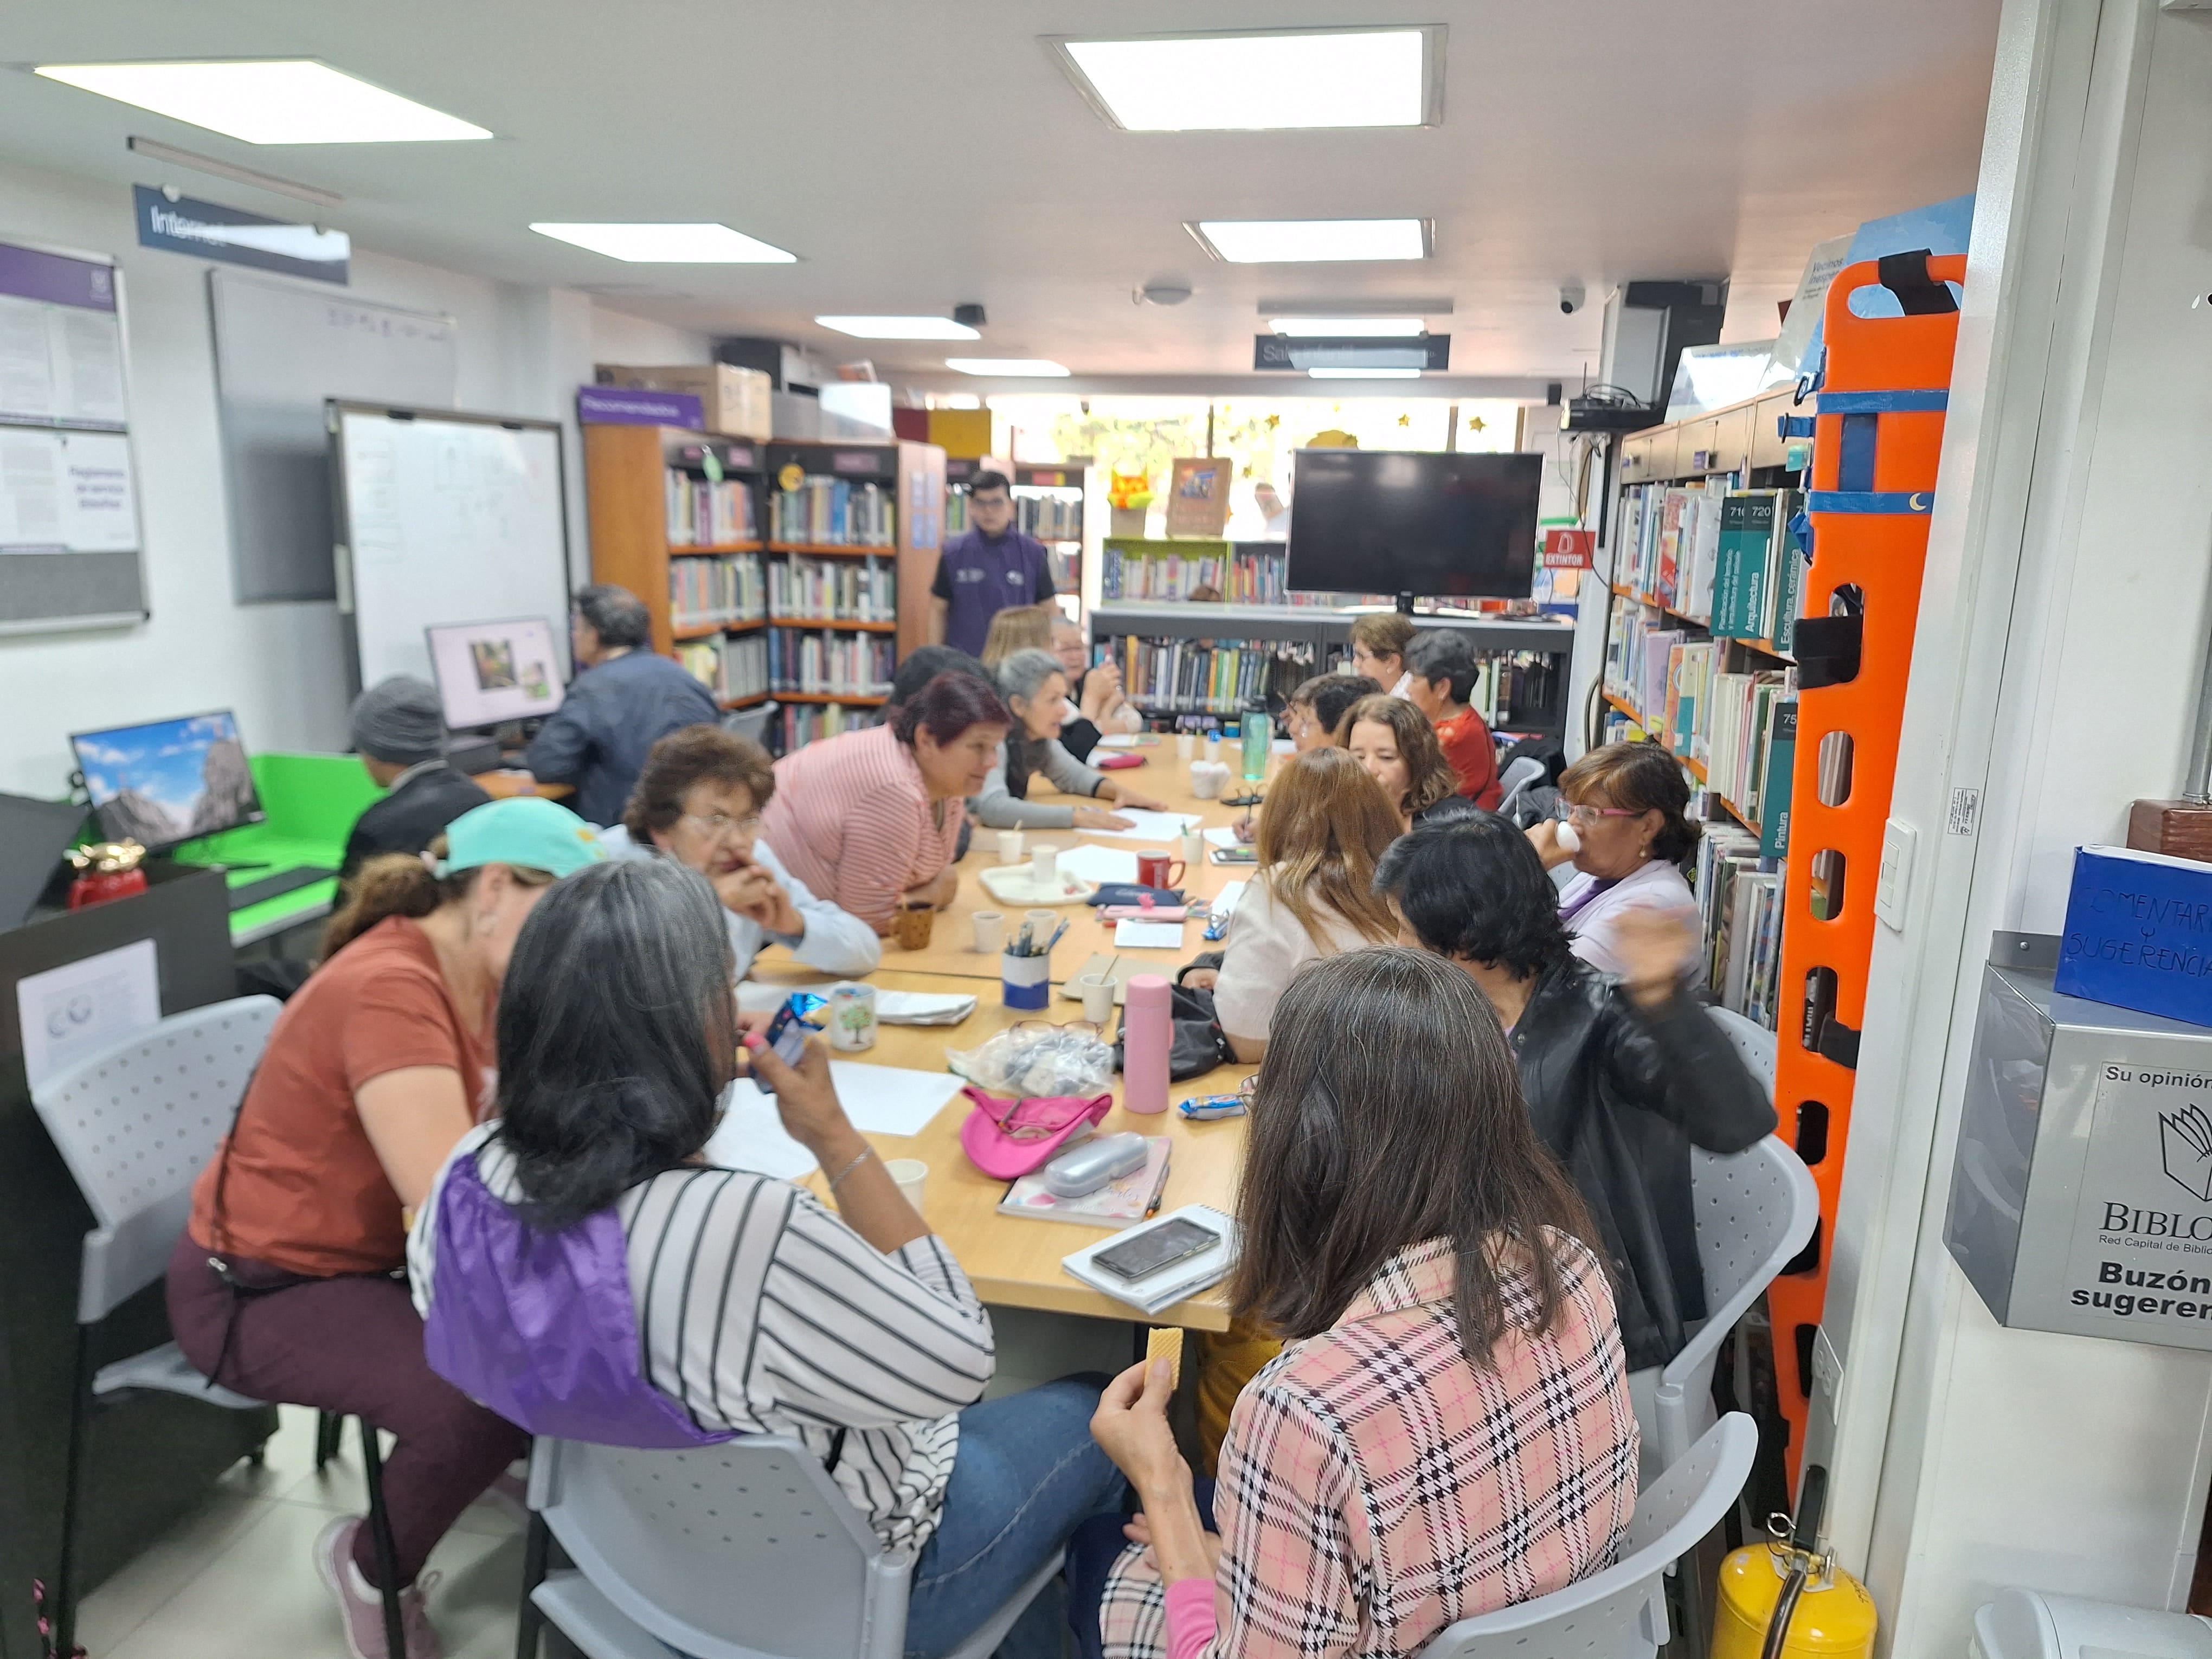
(443, 517)
(69, 546)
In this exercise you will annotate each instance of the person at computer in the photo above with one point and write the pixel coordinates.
(698, 801)
(287, 1284)
(399, 732)
(625, 698)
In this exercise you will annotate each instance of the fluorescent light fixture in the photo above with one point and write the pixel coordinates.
(1027, 368)
(1350, 328)
(670, 245)
(1364, 373)
(1271, 241)
(287, 100)
(900, 328)
(1257, 80)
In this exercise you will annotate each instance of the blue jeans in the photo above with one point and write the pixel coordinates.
(1028, 1473)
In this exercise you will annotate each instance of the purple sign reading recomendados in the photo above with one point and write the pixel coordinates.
(607, 405)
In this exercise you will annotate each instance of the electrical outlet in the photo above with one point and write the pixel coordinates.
(1894, 886)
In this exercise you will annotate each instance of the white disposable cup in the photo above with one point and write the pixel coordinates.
(1010, 847)
(907, 1174)
(1191, 846)
(1097, 993)
(1207, 778)
(1213, 745)
(1186, 745)
(1043, 924)
(990, 932)
(1044, 864)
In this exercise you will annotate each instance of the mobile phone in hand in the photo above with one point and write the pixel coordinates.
(786, 1035)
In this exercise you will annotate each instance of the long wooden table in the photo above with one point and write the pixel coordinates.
(1014, 1261)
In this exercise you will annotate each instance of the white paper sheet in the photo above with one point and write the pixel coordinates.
(1148, 935)
(68, 1013)
(923, 1007)
(881, 1100)
(1146, 825)
(1223, 835)
(751, 1136)
(1099, 864)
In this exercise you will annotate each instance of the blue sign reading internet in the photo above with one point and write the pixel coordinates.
(208, 230)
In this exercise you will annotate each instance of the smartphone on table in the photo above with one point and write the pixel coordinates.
(1156, 1247)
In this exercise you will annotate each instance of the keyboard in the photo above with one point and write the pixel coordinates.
(284, 881)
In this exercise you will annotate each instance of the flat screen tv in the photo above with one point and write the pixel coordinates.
(1435, 526)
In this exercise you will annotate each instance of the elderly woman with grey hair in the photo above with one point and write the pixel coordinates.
(1035, 686)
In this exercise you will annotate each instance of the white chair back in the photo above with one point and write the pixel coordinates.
(1754, 1041)
(1621, 1613)
(753, 1535)
(137, 1123)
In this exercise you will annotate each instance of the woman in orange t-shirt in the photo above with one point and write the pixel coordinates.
(1439, 679)
(290, 1282)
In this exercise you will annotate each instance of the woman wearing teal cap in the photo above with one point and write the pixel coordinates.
(289, 1284)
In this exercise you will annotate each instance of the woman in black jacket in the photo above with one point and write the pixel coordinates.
(1622, 1077)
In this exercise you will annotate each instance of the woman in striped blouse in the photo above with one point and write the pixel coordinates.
(756, 1308)
(1448, 1430)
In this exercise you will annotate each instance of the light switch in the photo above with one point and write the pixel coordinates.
(1894, 886)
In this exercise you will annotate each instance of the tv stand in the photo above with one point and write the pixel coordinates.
(1405, 605)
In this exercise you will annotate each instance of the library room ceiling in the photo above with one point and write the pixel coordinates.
(916, 156)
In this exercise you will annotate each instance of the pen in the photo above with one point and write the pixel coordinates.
(1022, 945)
(1054, 940)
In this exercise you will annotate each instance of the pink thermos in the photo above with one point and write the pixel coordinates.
(1147, 1033)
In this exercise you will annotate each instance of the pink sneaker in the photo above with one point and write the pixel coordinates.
(360, 1609)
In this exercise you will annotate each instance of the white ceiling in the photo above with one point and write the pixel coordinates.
(915, 153)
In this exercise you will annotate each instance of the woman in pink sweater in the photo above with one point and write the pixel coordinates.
(1448, 1430)
(870, 820)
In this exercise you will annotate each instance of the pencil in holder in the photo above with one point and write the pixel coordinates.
(1027, 981)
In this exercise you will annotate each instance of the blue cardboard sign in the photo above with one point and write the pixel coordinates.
(208, 230)
(2139, 933)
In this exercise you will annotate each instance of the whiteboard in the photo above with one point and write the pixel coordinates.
(283, 350)
(443, 517)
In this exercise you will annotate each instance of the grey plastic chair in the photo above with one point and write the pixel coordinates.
(742, 1551)
(1621, 1613)
(751, 723)
(135, 1123)
(1753, 1041)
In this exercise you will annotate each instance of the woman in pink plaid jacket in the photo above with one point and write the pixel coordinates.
(1448, 1430)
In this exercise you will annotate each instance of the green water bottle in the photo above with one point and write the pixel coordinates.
(1258, 733)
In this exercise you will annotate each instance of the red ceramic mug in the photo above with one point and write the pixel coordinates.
(1158, 869)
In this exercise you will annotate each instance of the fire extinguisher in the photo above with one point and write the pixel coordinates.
(1786, 1599)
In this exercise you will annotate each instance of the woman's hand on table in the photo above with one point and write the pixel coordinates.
(1122, 796)
(938, 892)
(1098, 817)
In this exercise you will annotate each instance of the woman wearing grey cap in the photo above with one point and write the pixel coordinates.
(400, 732)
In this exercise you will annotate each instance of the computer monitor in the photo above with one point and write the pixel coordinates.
(1438, 525)
(168, 781)
(492, 671)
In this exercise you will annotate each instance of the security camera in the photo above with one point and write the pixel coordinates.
(1570, 298)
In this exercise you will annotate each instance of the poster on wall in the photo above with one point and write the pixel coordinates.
(70, 540)
(1198, 497)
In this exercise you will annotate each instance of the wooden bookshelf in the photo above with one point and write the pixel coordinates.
(625, 472)
(912, 474)
(829, 697)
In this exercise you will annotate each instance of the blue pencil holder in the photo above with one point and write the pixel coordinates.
(1027, 982)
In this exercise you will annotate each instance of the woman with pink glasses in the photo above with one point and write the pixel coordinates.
(1628, 806)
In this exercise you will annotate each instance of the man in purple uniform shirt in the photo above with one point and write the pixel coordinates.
(984, 570)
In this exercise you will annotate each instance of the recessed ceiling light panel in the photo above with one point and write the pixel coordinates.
(1025, 367)
(1261, 80)
(900, 328)
(1364, 373)
(1350, 328)
(1283, 241)
(287, 100)
(669, 245)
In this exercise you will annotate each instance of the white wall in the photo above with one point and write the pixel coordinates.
(2061, 624)
(522, 351)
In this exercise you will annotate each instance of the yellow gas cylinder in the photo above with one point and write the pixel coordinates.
(1834, 1619)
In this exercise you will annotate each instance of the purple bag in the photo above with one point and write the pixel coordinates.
(539, 1325)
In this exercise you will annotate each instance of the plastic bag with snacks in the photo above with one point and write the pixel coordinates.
(1038, 1058)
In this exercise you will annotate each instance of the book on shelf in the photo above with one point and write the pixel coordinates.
(1049, 516)
(798, 725)
(702, 513)
(733, 666)
(705, 591)
(826, 664)
(826, 511)
(803, 589)
(1246, 572)
(1210, 676)
(1759, 574)
(1781, 770)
